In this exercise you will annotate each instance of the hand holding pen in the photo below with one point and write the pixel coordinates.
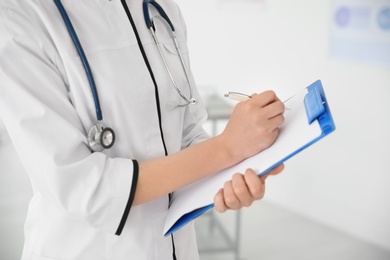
(254, 123)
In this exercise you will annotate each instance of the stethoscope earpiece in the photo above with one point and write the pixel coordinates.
(100, 137)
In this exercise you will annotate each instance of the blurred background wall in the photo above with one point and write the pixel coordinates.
(254, 45)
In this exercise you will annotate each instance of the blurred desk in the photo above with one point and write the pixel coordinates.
(219, 110)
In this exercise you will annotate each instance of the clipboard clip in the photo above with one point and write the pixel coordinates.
(314, 101)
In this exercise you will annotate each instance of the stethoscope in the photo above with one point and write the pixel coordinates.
(163, 17)
(101, 137)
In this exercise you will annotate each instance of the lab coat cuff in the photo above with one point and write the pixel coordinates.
(130, 200)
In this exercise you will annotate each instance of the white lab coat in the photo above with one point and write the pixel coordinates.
(47, 107)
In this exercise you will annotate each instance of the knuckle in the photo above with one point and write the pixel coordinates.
(237, 178)
(257, 192)
(271, 94)
(280, 119)
(227, 185)
(237, 175)
(220, 209)
(231, 202)
(276, 134)
(247, 203)
(260, 196)
(263, 128)
(280, 105)
(246, 107)
(268, 133)
(251, 106)
(239, 191)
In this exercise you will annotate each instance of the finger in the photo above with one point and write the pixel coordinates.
(255, 184)
(273, 171)
(276, 170)
(219, 202)
(276, 121)
(241, 190)
(265, 98)
(274, 108)
(231, 201)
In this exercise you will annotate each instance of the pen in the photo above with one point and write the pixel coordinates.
(242, 97)
(237, 96)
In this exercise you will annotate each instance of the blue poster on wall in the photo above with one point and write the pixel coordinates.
(360, 30)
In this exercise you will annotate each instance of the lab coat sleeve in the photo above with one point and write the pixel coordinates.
(48, 135)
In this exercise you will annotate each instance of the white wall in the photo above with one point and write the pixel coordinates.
(249, 46)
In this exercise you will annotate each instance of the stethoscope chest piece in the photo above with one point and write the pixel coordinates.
(100, 137)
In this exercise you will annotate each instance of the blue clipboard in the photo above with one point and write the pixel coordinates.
(310, 114)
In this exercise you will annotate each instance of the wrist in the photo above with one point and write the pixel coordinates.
(227, 151)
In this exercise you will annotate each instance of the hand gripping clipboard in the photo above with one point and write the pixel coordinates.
(307, 120)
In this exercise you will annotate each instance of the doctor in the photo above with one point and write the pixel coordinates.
(109, 202)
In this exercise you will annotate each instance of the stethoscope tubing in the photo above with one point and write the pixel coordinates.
(165, 19)
(190, 100)
(88, 71)
(148, 20)
(98, 133)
